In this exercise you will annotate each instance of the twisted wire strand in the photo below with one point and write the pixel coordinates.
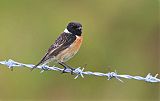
(80, 72)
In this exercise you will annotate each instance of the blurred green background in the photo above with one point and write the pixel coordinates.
(118, 35)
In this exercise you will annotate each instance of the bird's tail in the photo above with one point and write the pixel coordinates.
(41, 62)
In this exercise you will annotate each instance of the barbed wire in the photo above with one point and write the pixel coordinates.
(80, 72)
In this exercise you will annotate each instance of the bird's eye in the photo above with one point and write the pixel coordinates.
(74, 27)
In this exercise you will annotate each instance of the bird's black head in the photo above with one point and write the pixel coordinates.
(75, 28)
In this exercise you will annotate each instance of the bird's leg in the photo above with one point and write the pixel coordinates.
(72, 69)
(65, 67)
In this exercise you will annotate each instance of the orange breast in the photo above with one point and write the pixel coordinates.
(71, 50)
(76, 45)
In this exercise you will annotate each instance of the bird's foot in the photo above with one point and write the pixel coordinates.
(66, 67)
(64, 70)
(72, 70)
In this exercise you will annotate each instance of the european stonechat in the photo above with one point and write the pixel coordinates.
(65, 46)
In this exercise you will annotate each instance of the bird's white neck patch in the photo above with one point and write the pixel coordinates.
(66, 31)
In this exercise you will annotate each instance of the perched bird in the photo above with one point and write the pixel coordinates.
(65, 46)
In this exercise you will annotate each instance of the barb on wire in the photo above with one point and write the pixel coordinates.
(80, 72)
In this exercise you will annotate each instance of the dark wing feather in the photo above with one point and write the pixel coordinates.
(69, 39)
(59, 41)
(62, 42)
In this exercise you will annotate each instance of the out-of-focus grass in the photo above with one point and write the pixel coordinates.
(121, 34)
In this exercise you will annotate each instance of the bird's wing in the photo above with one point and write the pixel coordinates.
(62, 42)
